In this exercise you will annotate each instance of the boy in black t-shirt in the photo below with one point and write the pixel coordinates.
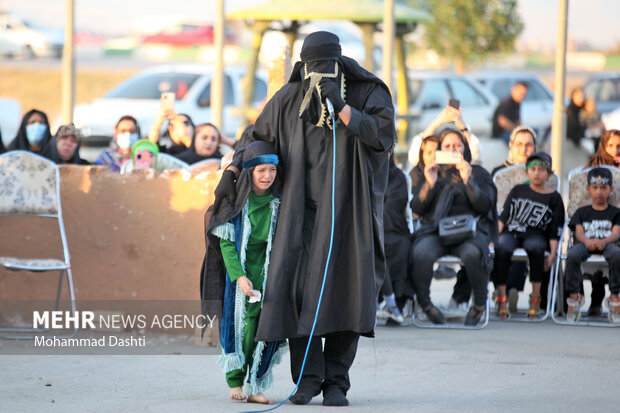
(532, 218)
(596, 229)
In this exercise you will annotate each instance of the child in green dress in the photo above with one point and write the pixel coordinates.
(245, 242)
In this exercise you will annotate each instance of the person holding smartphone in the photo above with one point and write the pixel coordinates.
(450, 189)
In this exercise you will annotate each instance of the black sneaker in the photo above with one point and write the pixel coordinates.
(334, 396)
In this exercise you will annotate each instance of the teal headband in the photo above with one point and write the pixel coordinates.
(260, 160)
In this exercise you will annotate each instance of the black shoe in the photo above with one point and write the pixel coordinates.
(303, 396)
(595, 311)
(434, 315)
(473, 316)
(334, 396)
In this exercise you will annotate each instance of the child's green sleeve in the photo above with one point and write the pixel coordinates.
(231, 259)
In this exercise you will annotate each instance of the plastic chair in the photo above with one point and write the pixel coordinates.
(505, 179)
(578, 197)
(30, 186)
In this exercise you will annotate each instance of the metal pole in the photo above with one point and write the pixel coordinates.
(558, 126)
(68, 65)
(388, 41)
(217, 82)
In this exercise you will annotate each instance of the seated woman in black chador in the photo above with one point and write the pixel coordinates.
(397, 286)
(64, 148)
(205, 144)
(450, 190)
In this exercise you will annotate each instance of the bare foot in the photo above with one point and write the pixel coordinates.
(258, 398)
(236, 394)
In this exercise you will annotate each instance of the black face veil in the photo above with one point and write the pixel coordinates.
(320, 55)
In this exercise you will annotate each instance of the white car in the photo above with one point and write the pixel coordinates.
(536, 108)
(139, 96)
(19, 37)
(431, 91)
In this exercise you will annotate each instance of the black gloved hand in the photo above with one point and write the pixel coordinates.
(331, 90)
(226, 188)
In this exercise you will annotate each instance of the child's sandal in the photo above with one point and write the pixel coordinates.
(534, 311)
(502, 311)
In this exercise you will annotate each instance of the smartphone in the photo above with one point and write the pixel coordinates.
(167, 102)
(455, 103)
(447, 157)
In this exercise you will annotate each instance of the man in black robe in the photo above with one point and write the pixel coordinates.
(296, 122)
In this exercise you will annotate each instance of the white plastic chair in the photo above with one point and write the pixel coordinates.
(578, 197)
(30, 186)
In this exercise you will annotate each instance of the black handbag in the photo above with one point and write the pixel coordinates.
(456, 229)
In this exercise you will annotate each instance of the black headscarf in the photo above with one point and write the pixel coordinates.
(190, 156)
(50, 151)
(212, 281)
(21, 139)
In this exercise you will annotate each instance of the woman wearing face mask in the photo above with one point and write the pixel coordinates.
(33, 134)
(64, 148)
(126, 133)
(205, 144)
(450, 190)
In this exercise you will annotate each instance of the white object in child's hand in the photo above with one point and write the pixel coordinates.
(255, 296)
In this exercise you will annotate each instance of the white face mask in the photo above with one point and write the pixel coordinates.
(35, 132)
(126, 140)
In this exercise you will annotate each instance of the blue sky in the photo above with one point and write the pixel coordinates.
(595, 21)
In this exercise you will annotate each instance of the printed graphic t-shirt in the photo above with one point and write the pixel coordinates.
(596, 224)
(527, 211)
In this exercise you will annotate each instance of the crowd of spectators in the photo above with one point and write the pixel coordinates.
(418, 201)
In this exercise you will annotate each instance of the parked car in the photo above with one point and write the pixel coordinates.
(536, 108)
(19, 37)
(431, 91)
(605, 89)
(139, 96)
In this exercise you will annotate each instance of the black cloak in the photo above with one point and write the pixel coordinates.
(21, 139)
(575, 129)
(357, 266)
(397, 235)
(50, 151)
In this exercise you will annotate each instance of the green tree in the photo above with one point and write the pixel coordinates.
(466, 31)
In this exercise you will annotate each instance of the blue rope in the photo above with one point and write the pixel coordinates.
(329, 254)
